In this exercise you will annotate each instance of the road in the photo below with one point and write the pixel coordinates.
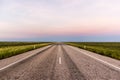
(62, 62)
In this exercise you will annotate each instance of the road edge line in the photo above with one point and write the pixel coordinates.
(18, 61)
(102, 61)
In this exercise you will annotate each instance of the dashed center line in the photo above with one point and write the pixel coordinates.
(60, 60)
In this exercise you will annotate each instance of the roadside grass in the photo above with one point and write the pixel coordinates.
(110, 49)
(8, 44)
(9, 51)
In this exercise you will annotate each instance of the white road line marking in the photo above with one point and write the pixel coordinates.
(104, 62)
(15, 62)
(60, 60)
(9, 65)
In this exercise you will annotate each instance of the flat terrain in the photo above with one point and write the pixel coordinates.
(8, 49)
(60, 62)
(110, 49)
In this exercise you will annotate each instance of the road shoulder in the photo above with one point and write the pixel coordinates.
(13, 59)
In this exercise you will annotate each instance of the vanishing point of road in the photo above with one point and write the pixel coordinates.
(59, 62)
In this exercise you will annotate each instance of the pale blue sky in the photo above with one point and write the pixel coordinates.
(60, 20)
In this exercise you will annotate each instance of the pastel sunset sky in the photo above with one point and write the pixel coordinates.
(59, 20)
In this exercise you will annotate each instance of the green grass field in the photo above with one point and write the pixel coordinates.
(8, 44)
(110, 49)
(8, 49)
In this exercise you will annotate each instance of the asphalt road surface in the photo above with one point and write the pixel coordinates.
(61, 62)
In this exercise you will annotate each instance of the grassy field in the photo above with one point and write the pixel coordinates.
(8, 44)
(8, 49)
(110, 49)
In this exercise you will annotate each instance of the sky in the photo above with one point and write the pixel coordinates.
(60, 20)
